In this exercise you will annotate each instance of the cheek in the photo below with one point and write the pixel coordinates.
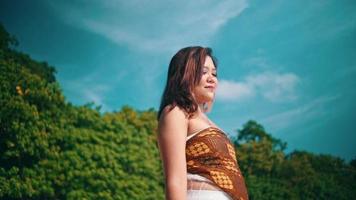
(199, 92)
(203, 78)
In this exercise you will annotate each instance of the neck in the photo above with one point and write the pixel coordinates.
(201, 107)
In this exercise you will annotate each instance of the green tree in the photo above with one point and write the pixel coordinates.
(50, 149)
(258, 152)
(271, 174)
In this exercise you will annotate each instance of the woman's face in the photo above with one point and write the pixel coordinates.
(205, 90)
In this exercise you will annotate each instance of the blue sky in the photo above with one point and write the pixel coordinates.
(290, 65)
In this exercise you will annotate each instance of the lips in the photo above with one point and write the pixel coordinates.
(210, 87)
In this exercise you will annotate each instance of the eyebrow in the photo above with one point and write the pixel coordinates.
(208, 67)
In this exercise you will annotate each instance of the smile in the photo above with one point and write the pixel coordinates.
(211, 88)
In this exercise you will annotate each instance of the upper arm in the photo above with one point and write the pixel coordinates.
(172, 133)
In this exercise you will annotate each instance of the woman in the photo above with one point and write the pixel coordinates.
(198, 159)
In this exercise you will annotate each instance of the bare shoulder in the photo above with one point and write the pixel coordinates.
(169, 113)
(172, 118)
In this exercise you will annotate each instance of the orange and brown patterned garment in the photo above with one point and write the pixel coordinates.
(210, 154)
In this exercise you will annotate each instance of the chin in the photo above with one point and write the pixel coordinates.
(204, 97)
(209, 98)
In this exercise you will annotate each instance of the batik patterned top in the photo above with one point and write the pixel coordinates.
(209, 153)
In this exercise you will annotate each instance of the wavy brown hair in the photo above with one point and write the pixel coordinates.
(184, 73)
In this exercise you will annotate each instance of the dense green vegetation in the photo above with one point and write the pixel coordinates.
(271, 174)
(51, 149)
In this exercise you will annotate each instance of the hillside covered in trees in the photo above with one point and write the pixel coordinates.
(52, 149)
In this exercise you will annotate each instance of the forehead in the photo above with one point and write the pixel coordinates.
(209, 63)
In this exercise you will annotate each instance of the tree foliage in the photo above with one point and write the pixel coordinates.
(51, 149)
(271, 174)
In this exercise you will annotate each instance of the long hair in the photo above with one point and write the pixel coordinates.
(184, 73)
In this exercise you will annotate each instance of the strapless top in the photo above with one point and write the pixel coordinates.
(210, 154)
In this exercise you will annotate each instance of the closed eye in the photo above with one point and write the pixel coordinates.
(206, 70)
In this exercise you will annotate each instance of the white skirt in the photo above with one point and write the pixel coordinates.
(207, 195)
(201, 193)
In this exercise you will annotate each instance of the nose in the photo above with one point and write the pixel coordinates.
(211, 79)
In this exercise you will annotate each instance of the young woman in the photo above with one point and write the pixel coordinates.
(199, 161)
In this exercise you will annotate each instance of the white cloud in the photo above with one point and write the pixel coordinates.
(230, 90)
(271, 86)
(256, 62)
(151, 25)
(309, 112)
(86, 90)
(95, 94)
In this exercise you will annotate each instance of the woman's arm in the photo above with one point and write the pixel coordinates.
(172, 133)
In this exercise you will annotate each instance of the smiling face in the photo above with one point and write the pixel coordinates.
(204, 92)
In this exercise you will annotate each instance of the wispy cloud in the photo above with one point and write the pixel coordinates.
(86, 90)
(272, 86)
(230, 90)
(95, 94)
(310, 112)
(151, 25)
